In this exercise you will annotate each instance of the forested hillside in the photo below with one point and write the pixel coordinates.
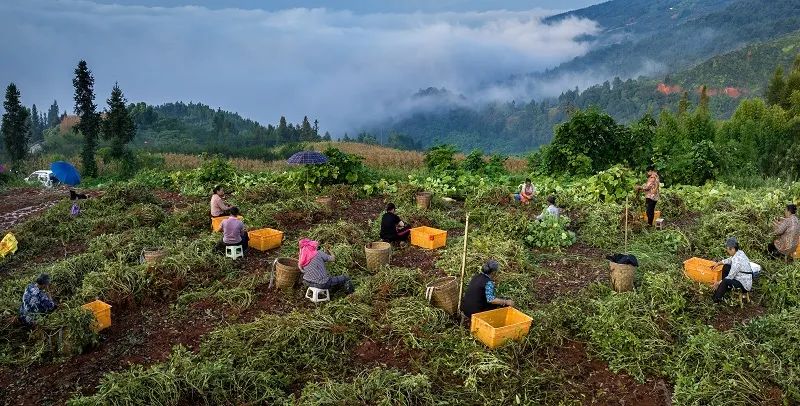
(194, 127)
(516, 127)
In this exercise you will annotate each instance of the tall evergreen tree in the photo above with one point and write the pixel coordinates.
(52, 115)
(89, 119)
(14, 126)
(776, 89)
(118, 125)
(704, 99)
(282, 132)
(37, 126)
(683, 104)
(306, 131)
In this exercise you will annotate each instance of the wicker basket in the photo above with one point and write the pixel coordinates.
(378, 254)
(325, 202)
(622, 277)
(424, 200)
(443, 293)
(287, 270)
(151, 256)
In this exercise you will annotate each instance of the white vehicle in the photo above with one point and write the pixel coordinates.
(43, 177)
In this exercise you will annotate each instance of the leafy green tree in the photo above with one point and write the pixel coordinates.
(15, 125)
(589, 142)
(441, 158)
(683, 104)
(89, 118)
(474, 162)
(118, 126)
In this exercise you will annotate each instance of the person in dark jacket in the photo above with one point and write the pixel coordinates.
(392, 228)
(480, 294)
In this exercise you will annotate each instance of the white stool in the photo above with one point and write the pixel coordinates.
(234, 251)
(313, 294)
(659, 224)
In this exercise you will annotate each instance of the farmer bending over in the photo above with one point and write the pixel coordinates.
(234, 232)
(392, 228)
(526, 192)
(312, 265)
(787, 231)
(480, 296)
(218, 206)
(36, 301)
(736, 273)
(551, 209)
(652, 193)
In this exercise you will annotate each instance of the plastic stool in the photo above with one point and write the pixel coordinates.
(742, 296)
(234, 252)
(313, 294)
(659, 224)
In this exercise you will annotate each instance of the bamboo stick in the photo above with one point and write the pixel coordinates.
(463, 268)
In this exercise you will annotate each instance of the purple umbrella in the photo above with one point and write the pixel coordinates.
(308, 157)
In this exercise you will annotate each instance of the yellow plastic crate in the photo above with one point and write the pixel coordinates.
(428, 237)
(216, 222)
(497, 326)
(797, 252)
(102, 314)
(265, 239)
(656, 216)
(702, 270)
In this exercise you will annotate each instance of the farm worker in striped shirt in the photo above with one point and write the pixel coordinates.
(737, 272)
(652, 191)
(312, 265)
(480, 295)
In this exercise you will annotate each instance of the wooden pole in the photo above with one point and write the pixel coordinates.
(463, 268)
(626, 224)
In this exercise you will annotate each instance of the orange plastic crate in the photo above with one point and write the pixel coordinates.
(797, 252)
(265, 239)
(102, 314)
(497, 326)
(656, 216)
(216, 222)
(428, 237)
(702, 270)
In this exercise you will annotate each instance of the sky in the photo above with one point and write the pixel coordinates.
(346, 63)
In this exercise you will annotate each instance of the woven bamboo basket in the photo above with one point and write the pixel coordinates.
(622, 277)
(424, 200)
(325, 202)
(287, 270)
(443, 293)
(378, 254)
(151, 256)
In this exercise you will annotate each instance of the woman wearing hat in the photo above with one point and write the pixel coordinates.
(36, 301)
(480, 294)
(736, 272)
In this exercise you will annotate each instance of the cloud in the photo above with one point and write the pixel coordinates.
(343, 68)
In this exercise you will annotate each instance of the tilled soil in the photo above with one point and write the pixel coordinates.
(577, 268)
(19, 204)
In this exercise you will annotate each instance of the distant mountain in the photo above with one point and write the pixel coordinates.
(732, 46)
(667, 36)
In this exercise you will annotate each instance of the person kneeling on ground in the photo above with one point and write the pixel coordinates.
(736, 273)
(551, 209)
(312, 265)
(36, 301)
(234, 232)
(480, 296)
(392, 228)
(787, 231)
(218, 206)
(526, 192)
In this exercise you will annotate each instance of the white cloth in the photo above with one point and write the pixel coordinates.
(740, 269)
